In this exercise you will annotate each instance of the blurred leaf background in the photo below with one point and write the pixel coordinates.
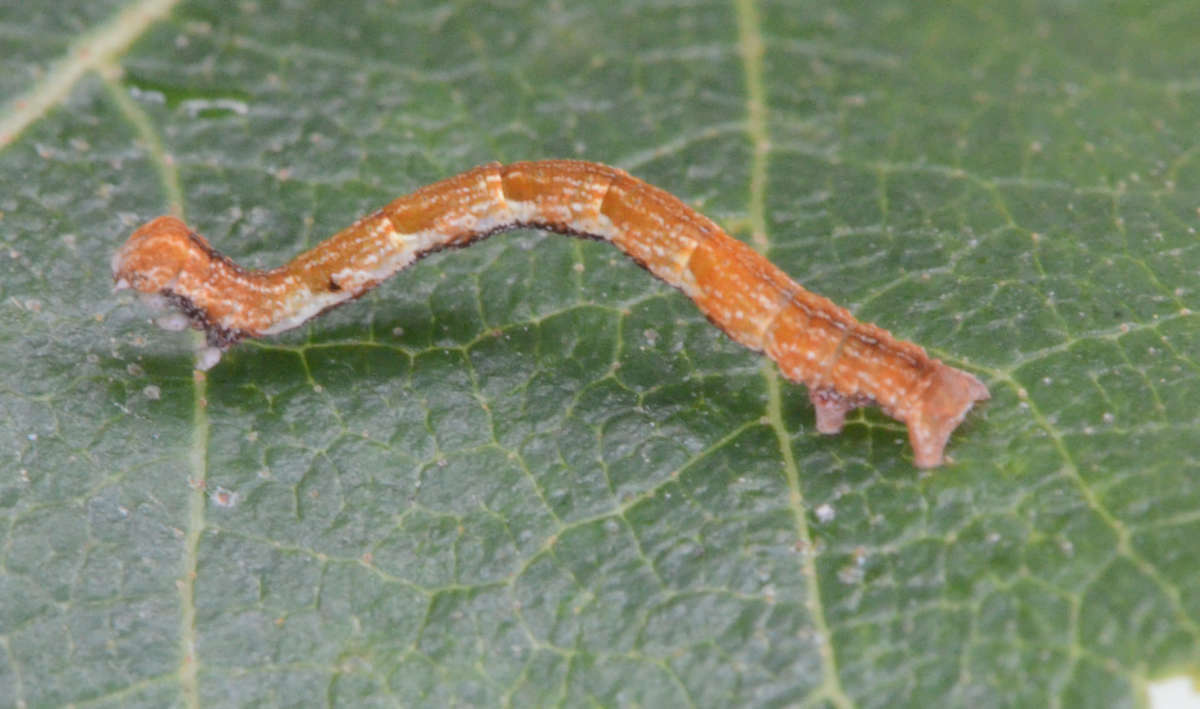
(527, 473)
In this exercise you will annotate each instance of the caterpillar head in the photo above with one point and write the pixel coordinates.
(154, 256)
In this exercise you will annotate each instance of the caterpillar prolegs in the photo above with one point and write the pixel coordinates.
(844, 363)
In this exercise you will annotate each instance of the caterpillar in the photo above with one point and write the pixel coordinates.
(844, 363)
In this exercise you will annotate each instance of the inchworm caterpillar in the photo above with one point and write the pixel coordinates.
(844, 363)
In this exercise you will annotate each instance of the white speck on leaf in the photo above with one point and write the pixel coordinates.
(1174, 693)
(825, 513)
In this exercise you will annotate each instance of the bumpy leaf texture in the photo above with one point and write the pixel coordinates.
(527, 473)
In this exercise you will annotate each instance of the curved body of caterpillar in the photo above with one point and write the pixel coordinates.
(844, 363)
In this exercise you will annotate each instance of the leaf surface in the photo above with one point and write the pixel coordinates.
(526, 473)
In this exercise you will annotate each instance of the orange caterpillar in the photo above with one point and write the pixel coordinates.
(844, 363)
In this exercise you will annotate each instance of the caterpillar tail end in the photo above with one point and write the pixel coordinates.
(950, 395)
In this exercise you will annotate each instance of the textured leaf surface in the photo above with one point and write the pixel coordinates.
(528, 474)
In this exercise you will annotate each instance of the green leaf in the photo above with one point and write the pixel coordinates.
(528, 474)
